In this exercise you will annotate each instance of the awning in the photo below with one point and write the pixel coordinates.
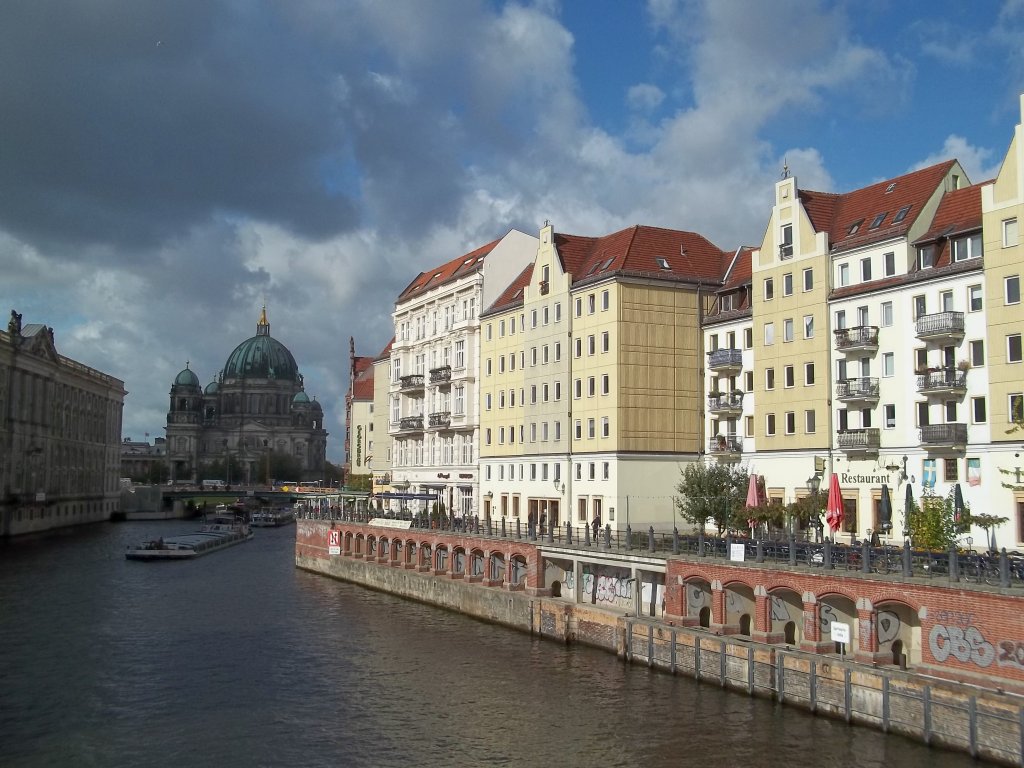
(407, 496)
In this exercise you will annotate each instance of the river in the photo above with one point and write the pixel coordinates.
(240, 659)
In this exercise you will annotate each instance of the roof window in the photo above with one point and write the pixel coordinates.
(890, 188)
(662, 262)
(877, 221)
(855, 226)
(901, 214)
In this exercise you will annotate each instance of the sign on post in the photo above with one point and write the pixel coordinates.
(334, 542)
(840, 634)
(737, 552)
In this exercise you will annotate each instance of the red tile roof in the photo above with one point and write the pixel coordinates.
(362, 385)
(513, 295)
(958, 212)
(457, 267)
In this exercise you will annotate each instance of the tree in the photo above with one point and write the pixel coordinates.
(711, 492)
(333, 474)
(932, 522)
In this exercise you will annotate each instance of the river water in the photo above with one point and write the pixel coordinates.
(240, 659)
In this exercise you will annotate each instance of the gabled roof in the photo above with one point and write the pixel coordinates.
(870, 214)
(958, 212)
(457, 267)
(740, 270)
(513, 295)
(386, 352)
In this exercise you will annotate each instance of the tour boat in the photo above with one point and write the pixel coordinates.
(218, 534)
(268, 517)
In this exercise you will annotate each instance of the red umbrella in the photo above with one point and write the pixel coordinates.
(834, 509)
(752, 501)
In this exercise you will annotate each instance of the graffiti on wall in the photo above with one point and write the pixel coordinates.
(887, 626)
(696, 599)
(956, 635)
(779, 609)
(609, 589)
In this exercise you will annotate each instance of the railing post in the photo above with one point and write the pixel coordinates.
(728, 546)
(760, 551)
(827, 562)
(1004, 569)
(607, 535)
(650, 539)
(568, 533)
(865, 556)
(629, 537)
(675, 541)
(586, 535)
(503, 527)
(792, 549)
(519, 528)
(551, 533)
(700, 543)
(907, 562)
(954, 564)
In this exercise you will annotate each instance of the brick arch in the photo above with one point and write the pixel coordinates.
(785, 615)
(441, 558)
(361, 546)
(519, 571)
(496, 568)
(477, 565)
(898, 639)
(347, 542)
(698, 601)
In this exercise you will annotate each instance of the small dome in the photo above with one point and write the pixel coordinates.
(261, 357)
(187, 378)
(316, 406)
(211, 388)
(301, 398)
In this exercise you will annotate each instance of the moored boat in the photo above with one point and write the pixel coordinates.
(221, 533)
(268, 517)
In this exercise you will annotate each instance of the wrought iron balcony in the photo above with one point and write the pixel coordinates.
(441, 375)
(859, 440)
(725, 403)
(725, 360)
(440, 419)
(411, 424)
(725, 445)
(857, 390)
(942, 382)
(411, 382)
(944, 435)
(860, 338)
(941, 326)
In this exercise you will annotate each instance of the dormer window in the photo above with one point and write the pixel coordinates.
(662, 262)
(967, 247)
(925, 257)
(901, 214)
(877, 221)
(855, 227)
(726, 302)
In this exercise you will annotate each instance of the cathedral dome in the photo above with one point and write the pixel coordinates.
(261, 357)
(186, 378)
(301, 398)
(211, 388)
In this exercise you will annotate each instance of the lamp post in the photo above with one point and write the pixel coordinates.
(813, 486)
(227, 464)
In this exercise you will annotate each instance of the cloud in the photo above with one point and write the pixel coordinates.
(644, 97)
(980, 163)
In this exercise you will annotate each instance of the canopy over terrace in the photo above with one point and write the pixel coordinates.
(403, 498)
(323, 502)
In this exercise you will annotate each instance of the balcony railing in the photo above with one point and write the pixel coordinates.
(726, 402)
(944, 435)
(941, 382)
(849, 390)
(411, 424)
(544, 287)
(410, 383)
(440, 419)
(725, 444)
(860, 338)
(441, 375)
(942, 325)
(725, 359)
(859, 440)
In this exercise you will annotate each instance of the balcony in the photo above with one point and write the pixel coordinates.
(411, 424)
(441, 375)
(857, 390)
(859, 440)
(942, 326)
(725, 403)
(440, 420)
(944, 435)
(725, 445)
(411, 383)
(945, 381)
(725, 360)
(860, 338)
(544, 288)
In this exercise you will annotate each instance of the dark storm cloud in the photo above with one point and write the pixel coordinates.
(126, 122)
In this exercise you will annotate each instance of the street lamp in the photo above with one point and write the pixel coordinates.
(814, 485)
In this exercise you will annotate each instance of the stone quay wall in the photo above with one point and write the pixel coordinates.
(970, 715)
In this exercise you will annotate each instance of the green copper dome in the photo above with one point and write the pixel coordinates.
(186, 379)
(211, 388)
(261, 357)
(300, 397)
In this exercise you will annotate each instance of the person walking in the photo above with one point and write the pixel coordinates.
(596, 524)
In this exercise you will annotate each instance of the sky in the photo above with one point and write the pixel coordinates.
(166, 169)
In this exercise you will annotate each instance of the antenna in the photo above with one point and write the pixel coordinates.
(785, 168)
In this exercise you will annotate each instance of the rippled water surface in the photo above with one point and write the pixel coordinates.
(239, 659)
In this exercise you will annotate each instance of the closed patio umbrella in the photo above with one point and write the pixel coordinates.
(908, 506)
(958, 503)
(752, 502)
(834, 512)
(885, 510)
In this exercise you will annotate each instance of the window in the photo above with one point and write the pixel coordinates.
(501, 399)
(579, 346)
(591, 304)
(974, 298)
(901, 214)
(590, 470)
(855, 227)
(605, 427)
(748, 338)
(487, 401)
(748, 426)
(1013, 348)
(787, 329)
(487, 436)
(604, 301)
(1012, 285)
(558, 351)
(578, 427)
(886, 313)
(577, 388)
(590, 428)
(769, 424)
(558, 316)
(533, 394)
(787, 284)
(544, 392)
(950, 409)
(808, 279)
(488, 331)
(487, 367)
(889, 416)
(605, 341)
(979, 414)
(512, 361)
(808, 326)
(789, 376)
(786, 242)
(558, 390)
(951, 471)
(843, 419)
(877, 221)
(865, 270)
(501, 329)
(579, 307)
(591, 344)
(977, 353)
(1015, 401)
(790, 422)
(925, 257)
(888, 364)
(545, 315)
(769, 334)
(1009, 232)
(769, 378)
(605, 384)
(841, 319)
(769, 289)
(844, 274)
(533, 318)
(606, 470)
(748, 381)
(968, 247)
(889, 264)
(946, 301)
(808, 374)
(591, 386)
(920, 307)
(809, 422)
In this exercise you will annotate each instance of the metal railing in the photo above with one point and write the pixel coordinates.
(859, 439)
(440, 419)
(941, 324)
(412, 381)
(727, 401)
(730, 443)
(864, 388)
(725, 358)
(441, 374)
(411, 423)
(857, 337)
(942, 380)
(944, 434)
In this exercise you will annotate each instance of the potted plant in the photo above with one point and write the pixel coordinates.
(964, 366)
